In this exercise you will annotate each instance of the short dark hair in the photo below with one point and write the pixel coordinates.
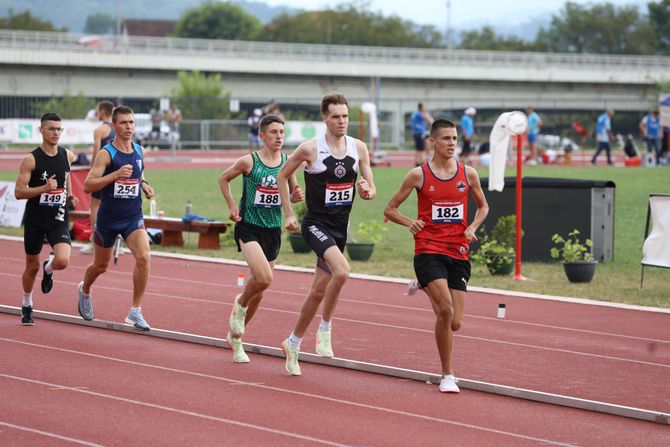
(420, 106)
(50, 116)
(269, 119)
(121, 110)
(334, 98)
(107, 107)
(441, 123)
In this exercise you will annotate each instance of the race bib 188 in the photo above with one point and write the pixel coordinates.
(267, 197)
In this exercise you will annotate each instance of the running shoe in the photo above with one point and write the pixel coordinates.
(448, 384)
(413, 287)
(85, 306)
(87, 249)
(292, 366)
(237, 317)
(239, 356)
(324, 346)
(47, 278)
(27, 316)
(137, 320)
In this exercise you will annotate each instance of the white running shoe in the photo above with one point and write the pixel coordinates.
(324, 344)
(448, 384)
(413, 288)
(239, 356)
(87, 249)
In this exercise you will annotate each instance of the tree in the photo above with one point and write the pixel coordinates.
(659, 18)
(200, 96)
(486, 39)
(597, 28)
(99, 24)
(25, 21)
(350, 25)
(217, 21)
(67, 106)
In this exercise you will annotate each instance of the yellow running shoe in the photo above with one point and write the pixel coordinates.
(237, 317)
(324, 346)
(292, 366)
(239, 356)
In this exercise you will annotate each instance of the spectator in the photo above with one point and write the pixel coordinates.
(603, 136)
(420, 119)
(651, 132)
(534, 124)
(156, 116)
(468, 132)
(254, 121)
(173, 117)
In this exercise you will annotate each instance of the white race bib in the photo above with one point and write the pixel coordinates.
(127, 188)
(447, 212)
(56, 197)
(267, 197)
(339, 194)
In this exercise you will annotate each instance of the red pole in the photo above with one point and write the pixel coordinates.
(519, 187)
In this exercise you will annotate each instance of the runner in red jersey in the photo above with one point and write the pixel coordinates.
(442, 235)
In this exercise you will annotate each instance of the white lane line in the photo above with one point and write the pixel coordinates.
(49, 434)
(176, 410)
(423, 310)
(286, 391)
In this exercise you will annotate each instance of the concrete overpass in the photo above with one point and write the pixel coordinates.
(40, 63)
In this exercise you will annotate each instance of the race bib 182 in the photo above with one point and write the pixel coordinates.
(447, 212)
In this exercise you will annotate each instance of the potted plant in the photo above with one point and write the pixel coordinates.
(578, 262)
(368, 234)
(496, 251)
(295, 238)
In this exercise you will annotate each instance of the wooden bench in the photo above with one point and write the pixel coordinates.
(173, 229)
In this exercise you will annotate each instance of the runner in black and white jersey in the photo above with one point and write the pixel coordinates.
(332, 166)
(45, 181)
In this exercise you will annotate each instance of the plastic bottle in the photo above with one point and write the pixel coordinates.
(153, 208)
(189, 207)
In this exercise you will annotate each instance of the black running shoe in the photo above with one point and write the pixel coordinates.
(27, 316)
(47, 279)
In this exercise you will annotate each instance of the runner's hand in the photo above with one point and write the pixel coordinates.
(416, 226)
(148, 190)
(292, 224)
(51, 183)
(235, 214)
(125, 171)
(363, 189)
(297, 195)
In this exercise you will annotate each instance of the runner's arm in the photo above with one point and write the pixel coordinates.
(305, 153)
(241, 166)
(21, 188)
(480, 200)
(412, 181)
(366, 185)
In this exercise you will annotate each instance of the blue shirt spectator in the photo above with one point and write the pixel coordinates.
(603, 128)
(533, 123)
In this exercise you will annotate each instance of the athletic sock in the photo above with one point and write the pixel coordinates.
(27, 299)
(294, 341)
(325, 325)
(49, 268)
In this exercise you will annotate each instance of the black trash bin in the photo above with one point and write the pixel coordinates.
(556, 206)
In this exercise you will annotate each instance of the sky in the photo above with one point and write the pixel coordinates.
(464, 13)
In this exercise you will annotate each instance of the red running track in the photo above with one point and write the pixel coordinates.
(172, 393)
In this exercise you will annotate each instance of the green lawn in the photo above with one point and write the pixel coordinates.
(616, 281)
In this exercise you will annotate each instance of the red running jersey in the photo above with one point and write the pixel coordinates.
(443, 207)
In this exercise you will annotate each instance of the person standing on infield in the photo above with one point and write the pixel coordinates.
(44, 179)
(118, 172)
(258, 222)
(442, 235)
(332, 163)
(102, 135)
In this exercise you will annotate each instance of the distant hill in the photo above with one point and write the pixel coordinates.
(132, 9)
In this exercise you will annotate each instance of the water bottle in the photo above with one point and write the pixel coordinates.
(189, 207)
(152, 208)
